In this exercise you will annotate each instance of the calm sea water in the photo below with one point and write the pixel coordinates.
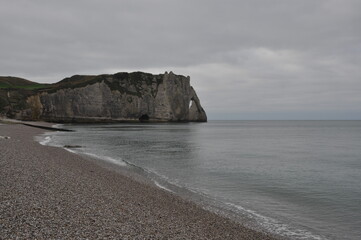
(300, 179)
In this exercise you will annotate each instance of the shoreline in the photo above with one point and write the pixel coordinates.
(48, 192)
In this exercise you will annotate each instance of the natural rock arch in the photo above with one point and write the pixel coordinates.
(196, 112)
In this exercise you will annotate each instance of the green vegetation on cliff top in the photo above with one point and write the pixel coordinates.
(14, 91)
(121, 82)
(19, 83)
(76, 81)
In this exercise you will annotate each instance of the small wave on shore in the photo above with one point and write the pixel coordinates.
(117, 161)
(44, 140)
(274, 226)
(161, 186)
(47, 140)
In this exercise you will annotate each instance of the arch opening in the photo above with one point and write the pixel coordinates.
(191, 102)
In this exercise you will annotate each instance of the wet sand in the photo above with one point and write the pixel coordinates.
(50, 193)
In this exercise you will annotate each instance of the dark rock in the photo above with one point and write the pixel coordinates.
(72, 146)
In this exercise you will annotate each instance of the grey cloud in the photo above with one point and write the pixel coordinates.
(252, 57)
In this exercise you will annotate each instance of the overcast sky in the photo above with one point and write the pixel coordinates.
(247, 59)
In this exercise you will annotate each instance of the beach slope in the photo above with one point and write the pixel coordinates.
(49, 193)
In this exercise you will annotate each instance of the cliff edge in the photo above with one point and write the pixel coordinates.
(120, 97)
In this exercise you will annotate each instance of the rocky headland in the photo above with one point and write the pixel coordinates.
(120, 97)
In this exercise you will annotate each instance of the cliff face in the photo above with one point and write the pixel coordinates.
(112, 98)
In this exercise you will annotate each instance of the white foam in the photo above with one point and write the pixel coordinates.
(117, 161)
(277, 227)
(57, 125)
(70, 150)
(174, 182)
(161, 186)
(45, 141)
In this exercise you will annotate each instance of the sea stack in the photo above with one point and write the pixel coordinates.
(120, 97)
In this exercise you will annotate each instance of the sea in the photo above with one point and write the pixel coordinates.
(296, 179)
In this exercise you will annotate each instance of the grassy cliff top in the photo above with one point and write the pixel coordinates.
(83, 80)
(14, 83)
(19, 83)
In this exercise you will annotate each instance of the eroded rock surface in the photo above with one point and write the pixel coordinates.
(120, 97)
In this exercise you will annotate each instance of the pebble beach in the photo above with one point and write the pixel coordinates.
(50, 193)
